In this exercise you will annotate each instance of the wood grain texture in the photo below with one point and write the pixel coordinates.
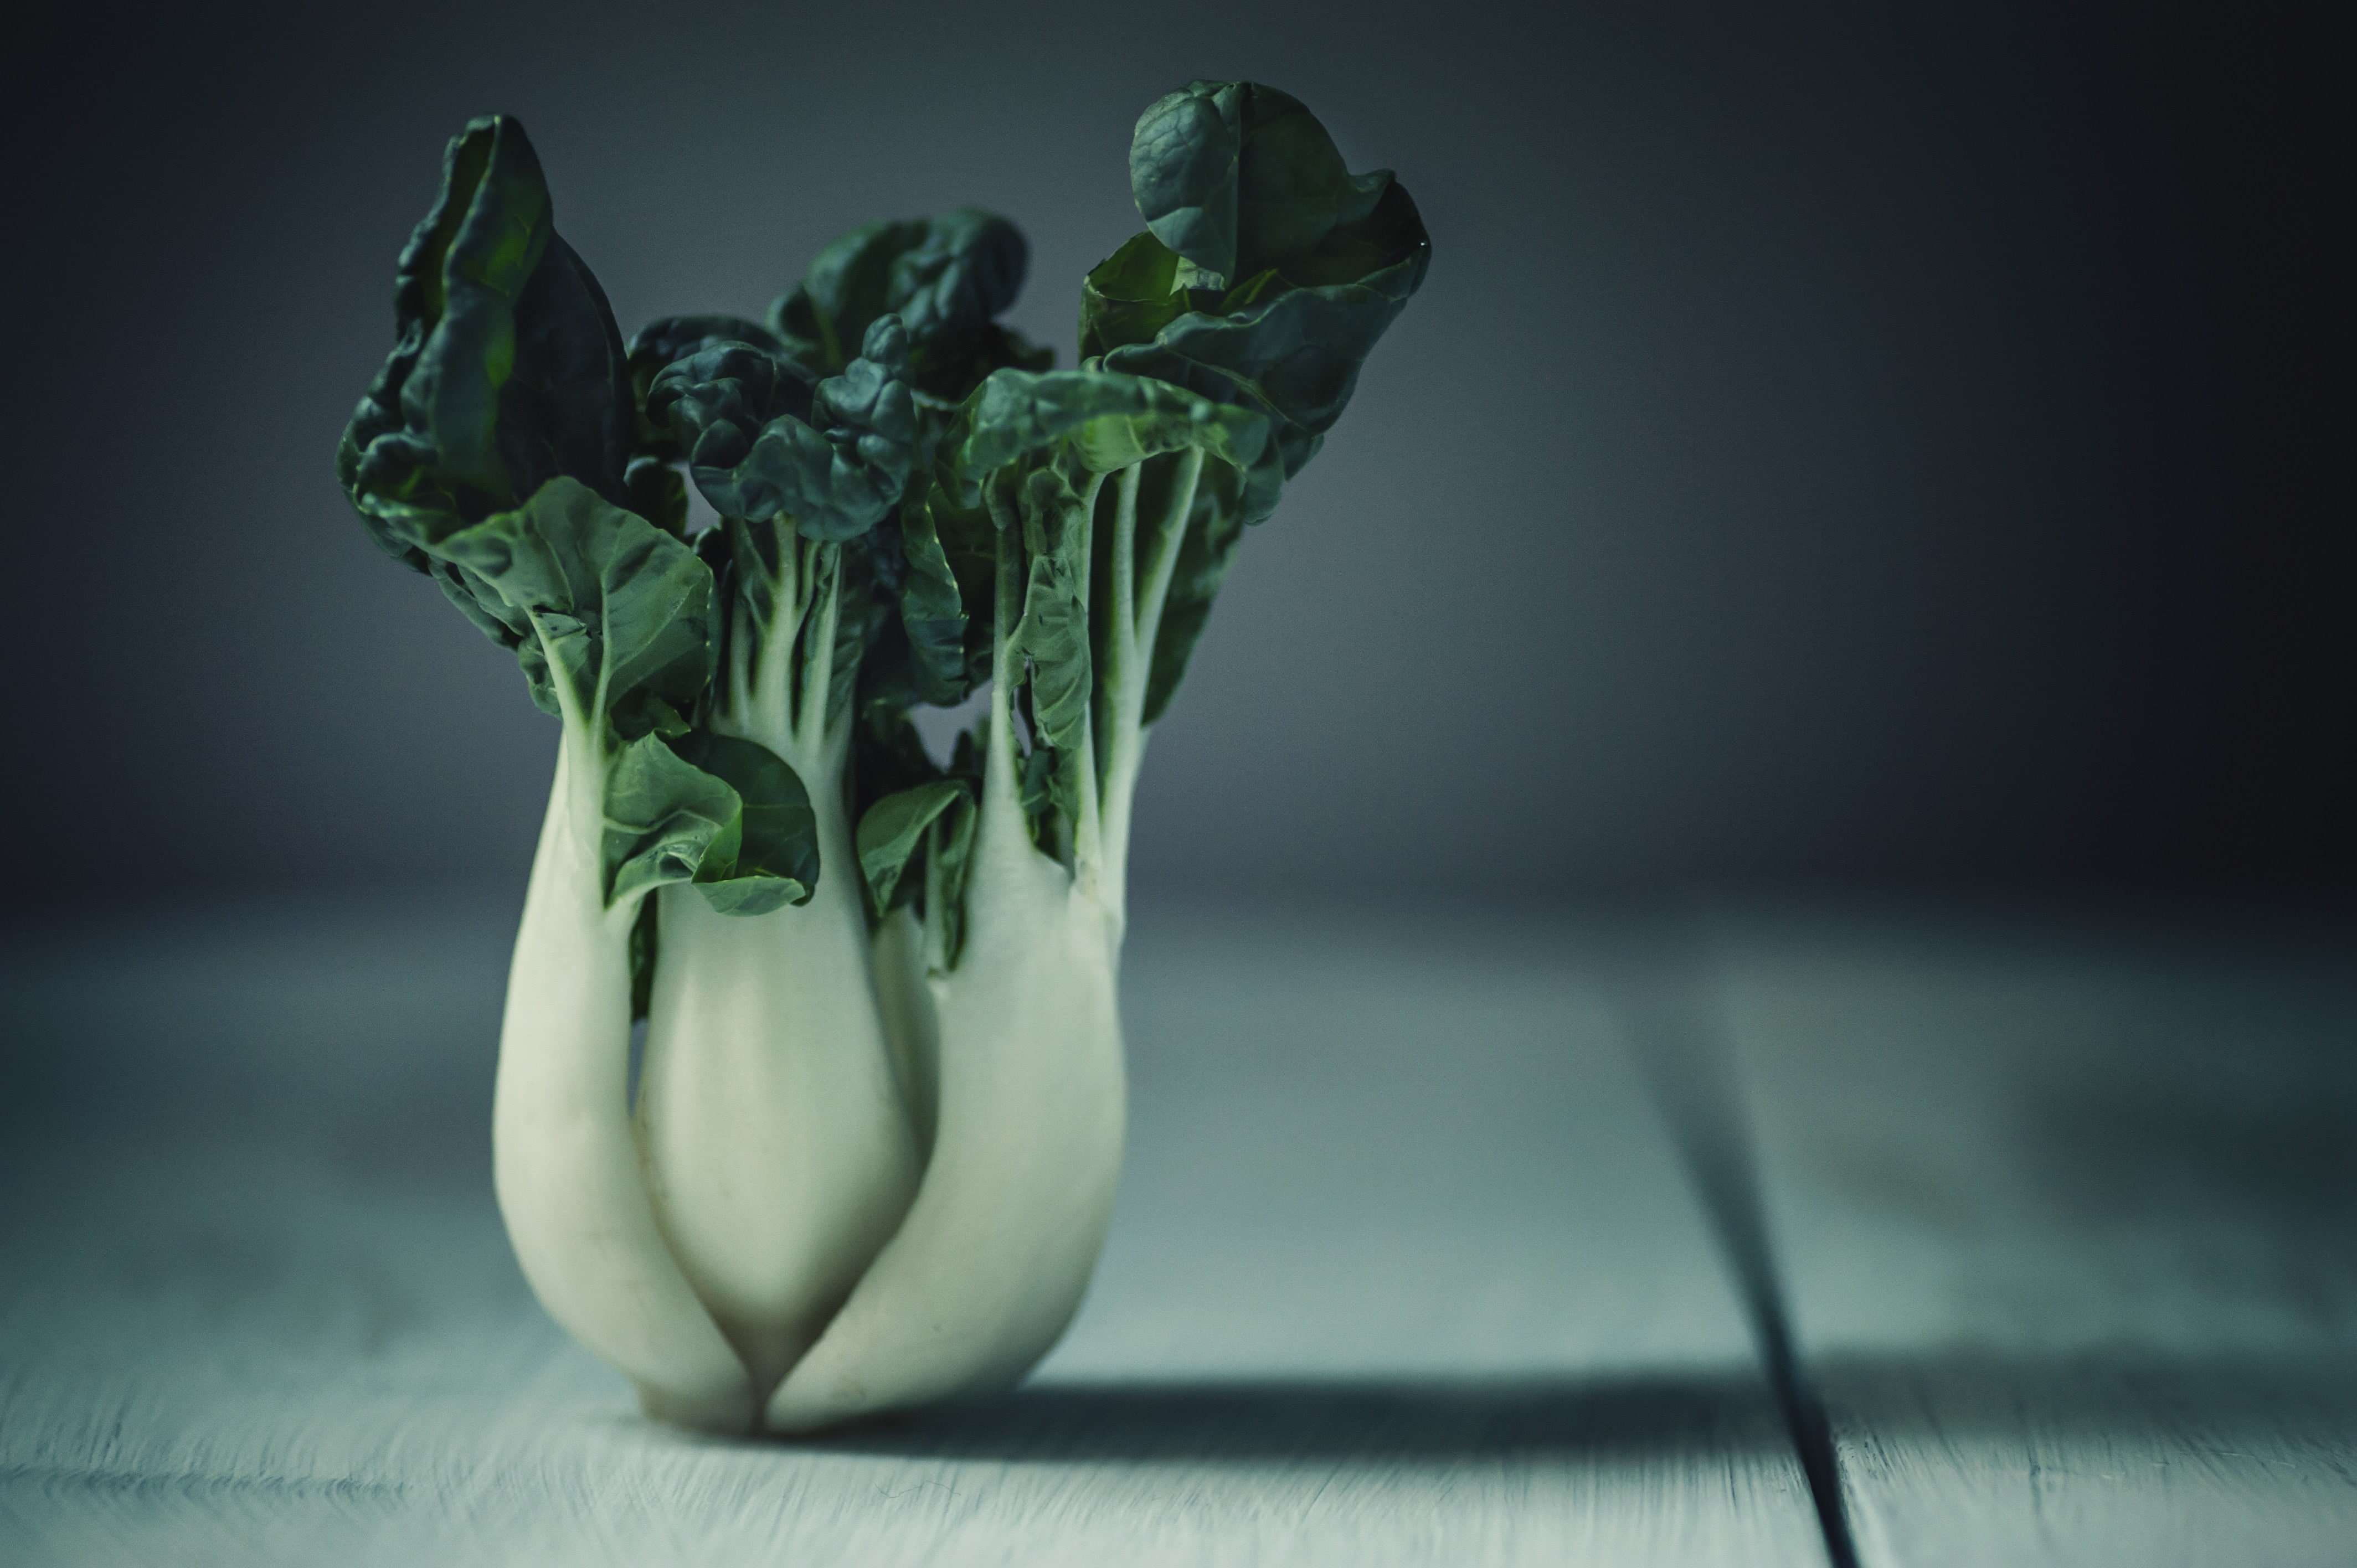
(1403, 1271)
(2069, 1224)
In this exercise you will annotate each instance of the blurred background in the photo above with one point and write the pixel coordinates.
(1869, 485)
(1835, 450)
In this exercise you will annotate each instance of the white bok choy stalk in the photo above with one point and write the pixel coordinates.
(1069, 494)
(493, 453)
(625, 818)
(948, 279)
(782, 1134)
(881, 1108)
(1081, 523)
(776, 1132)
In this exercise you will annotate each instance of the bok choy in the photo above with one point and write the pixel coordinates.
(879, 1115)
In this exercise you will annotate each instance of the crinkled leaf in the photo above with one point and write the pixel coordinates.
(1268, 271)
(604, 605)
(837, 466)
(774, 860)
(848, 286)
(1107, 420)
(668, 340)
(946, 278)
(723, 813)
(1294, 353)
(714, 402)
(507, 370)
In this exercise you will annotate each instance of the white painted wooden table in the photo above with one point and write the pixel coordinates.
(1405, 1271)
(2069, 1227)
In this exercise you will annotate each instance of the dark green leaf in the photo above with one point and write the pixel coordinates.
(889, 756)
(1268, 271)
(1292, 352)
(508, 370)
(776, 859)
(870, 569)
(892, 834)
(621, 613)
(1237, 179)
(1184, 158)
(653, 489)
(715, 402)
(664, 819)
(665, 341)
(1052, 636)
(847, 287)
(723, 813)
(836, 466)
(1130, 296)
(946, 278)
(932, 613)
(1106, 420)
(503, 624)
(1034, 442)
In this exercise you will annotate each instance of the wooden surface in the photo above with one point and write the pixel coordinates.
(2067, 1223)
(1404, 1270)
(2062, 1217)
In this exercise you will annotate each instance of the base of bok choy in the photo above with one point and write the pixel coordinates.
(563, 1161)
(988, 1268)
(776, 1133)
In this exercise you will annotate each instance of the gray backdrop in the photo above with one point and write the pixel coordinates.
(1828, 451)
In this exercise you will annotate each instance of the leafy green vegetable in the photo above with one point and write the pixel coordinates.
(947, 278)
(493, 452)
(895, 834)
(932, 615)
(507, 372)
(504, 450)
(762, 444)
(669, 338)
(1238, 178)
(1268, 271)
(1033, 451)
(653, 488)
(1107, 421)
(881, 1105)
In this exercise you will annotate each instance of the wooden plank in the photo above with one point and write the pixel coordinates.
(1402, 1273)
(2068, 1219)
